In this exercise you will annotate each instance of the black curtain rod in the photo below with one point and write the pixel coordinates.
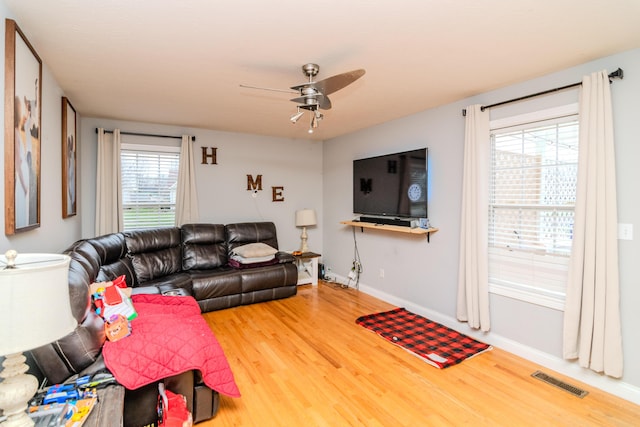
(616, 74)
(193, 138)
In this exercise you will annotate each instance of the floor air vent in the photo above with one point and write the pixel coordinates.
(560, 384)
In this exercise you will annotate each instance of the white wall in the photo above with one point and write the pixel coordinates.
(423, 276)
(54, 233)
(223, 198)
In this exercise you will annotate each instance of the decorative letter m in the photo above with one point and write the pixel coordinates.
(254, 185)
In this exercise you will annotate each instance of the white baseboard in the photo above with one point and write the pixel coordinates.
(571, 369)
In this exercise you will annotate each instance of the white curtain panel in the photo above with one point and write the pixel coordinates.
(108, 191)
(592, 332)
(473, 272)
(186, 193)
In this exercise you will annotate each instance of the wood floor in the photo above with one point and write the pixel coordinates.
(303, 361)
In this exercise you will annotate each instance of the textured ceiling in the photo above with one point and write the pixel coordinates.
(182, 62)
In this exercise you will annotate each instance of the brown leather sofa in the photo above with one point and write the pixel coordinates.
(191, 260)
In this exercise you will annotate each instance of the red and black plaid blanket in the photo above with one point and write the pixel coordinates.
(437, 344)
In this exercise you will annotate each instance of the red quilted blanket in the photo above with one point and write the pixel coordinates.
(168, 337)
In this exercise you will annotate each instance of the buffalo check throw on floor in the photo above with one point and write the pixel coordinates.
(437, 344)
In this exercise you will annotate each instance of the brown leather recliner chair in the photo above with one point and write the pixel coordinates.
(103, 259)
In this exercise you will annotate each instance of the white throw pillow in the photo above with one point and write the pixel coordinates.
(254, 250)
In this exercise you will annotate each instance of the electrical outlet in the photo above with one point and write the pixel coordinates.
(625, 231)
(382, 273)
(327, 273)
(352, 275)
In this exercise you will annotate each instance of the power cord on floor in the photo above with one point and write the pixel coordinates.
(329, 279)
(336, 284)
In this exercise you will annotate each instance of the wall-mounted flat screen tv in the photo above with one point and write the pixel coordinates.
(391, 185)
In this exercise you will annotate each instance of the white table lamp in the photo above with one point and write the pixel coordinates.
(34, 311)
(304, 219)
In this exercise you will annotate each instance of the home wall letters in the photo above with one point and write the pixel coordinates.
(255, 185)
(206, 155)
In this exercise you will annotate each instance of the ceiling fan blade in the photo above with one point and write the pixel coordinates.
(268, 88)
(305, 99)
(303, 86)
(324, 102)
(337, 82)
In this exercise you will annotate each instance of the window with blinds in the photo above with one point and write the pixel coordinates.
(149, 182)
(532, 197)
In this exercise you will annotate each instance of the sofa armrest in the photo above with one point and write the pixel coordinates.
(94, 368)
(145, 290)
(284, 257)
(109, 410)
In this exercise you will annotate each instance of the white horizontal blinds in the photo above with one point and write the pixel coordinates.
(149, 181)
(531, 206)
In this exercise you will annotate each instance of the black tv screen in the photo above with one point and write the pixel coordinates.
(391, 185)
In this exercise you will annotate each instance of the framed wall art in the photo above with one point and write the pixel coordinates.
(69, 139)
(22, 108)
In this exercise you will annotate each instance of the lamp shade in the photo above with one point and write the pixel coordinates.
(34, 301)
(305, 218)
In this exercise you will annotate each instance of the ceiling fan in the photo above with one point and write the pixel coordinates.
(314, 96)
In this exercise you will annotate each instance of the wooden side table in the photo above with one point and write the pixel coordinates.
(307, 264)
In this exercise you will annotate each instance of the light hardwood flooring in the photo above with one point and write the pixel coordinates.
(303, 361)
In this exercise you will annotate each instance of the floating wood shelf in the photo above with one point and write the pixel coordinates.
(388, 227)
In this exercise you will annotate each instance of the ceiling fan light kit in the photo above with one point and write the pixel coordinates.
(314, 96)
(296, 116)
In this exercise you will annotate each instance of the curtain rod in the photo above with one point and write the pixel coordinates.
(193, 138)
(619, 73)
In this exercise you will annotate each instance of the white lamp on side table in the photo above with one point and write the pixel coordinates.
(305, 218)
(34, 311)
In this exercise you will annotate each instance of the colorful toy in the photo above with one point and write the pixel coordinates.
(117, 327)
(112, 298)
(60, 393)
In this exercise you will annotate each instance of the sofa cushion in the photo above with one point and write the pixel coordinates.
(154, 253)
(83, 269)
(204, 246)
(269, 277)
(114, 263)
(216, 283)
(72, 353)
(240, 234)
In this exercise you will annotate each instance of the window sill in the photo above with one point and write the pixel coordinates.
(555, 302)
